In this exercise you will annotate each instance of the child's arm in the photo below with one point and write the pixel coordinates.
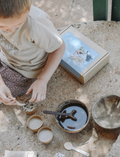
(5, 94)
(40, 85)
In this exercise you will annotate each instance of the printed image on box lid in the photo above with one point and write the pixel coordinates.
(78, 54)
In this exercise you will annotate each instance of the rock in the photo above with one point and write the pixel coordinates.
(115, 150)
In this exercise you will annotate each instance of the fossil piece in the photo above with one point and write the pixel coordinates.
(30, 108)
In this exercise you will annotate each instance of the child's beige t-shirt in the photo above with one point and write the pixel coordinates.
(26, 50)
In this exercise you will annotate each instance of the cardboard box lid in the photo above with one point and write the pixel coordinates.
(73, 40)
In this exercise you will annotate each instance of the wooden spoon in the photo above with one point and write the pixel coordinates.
(20, 104)
(71, 114)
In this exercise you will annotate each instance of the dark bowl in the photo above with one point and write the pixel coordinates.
(106, 112)
(82, 115)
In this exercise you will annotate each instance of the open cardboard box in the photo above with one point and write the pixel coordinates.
(82, 58)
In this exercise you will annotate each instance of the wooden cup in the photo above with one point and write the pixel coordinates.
(30, 118)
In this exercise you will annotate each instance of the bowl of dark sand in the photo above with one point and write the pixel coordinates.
(79, 110)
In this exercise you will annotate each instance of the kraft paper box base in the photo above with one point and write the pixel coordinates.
(82, 58)
(20, 153)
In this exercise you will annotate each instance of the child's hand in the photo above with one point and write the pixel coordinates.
(6, 96)
(38, 89)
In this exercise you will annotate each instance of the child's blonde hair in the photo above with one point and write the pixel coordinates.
(12, 8)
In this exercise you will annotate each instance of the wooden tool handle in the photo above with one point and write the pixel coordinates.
(55, 113)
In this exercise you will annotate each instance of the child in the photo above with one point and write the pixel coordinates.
(28, 42)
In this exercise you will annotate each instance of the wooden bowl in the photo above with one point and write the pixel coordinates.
(34, 123)
(82, 115)
(30, 108)
(106, 112)
(45, 135)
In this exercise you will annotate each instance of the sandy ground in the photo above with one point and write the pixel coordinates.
(14, 133)
(66, 12)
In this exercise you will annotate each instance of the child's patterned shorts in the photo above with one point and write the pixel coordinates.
(17, 83)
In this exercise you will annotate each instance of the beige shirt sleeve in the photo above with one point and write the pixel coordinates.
(45, 35)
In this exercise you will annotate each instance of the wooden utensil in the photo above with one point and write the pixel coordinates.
(71, 114)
